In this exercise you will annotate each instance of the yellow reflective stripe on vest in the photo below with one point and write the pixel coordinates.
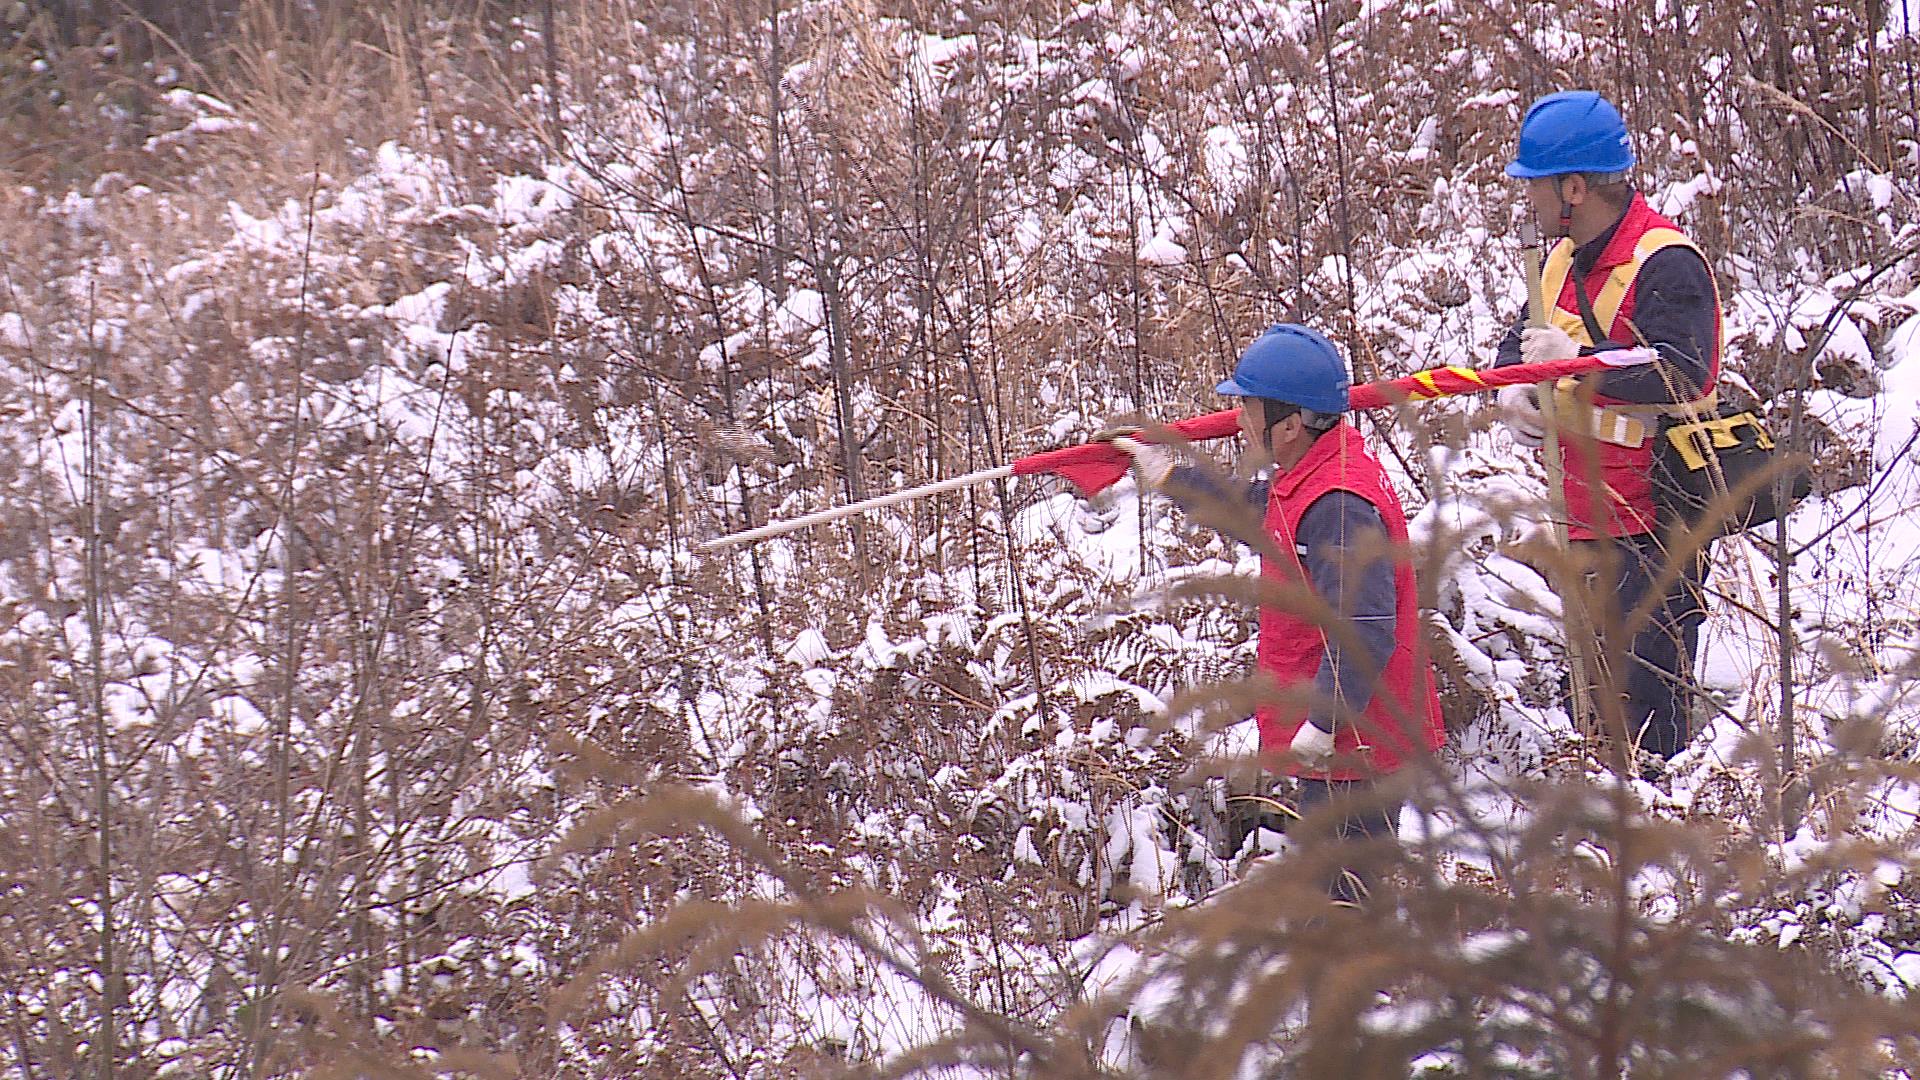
(1614, 425)
(1606, 306)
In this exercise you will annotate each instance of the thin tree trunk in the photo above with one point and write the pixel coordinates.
(728, 394)
(1793, 796)
(96, 693)
(549, 34)
(840, 363)
(261, 1031)
(1350, 329)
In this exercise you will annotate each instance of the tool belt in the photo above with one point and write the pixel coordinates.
(1623, 425)
(1723, 471)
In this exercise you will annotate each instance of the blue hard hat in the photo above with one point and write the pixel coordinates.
(1293, 364)
(1573, 131)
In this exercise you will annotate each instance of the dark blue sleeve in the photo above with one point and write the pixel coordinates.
(1342, 545)
(1510, 345)
(1234, 508)
(1675, 311)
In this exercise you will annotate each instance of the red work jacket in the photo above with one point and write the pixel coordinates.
(1403, 716)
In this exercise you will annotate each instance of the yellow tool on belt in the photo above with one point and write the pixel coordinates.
(1690, 439)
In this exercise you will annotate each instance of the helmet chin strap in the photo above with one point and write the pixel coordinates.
(1267, 424)
(1266, 427)
(1566, 208)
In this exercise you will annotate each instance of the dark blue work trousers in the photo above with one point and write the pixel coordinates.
(1650, 657)
(1364, 818)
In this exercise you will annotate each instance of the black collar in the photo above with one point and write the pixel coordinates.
(1587, 254)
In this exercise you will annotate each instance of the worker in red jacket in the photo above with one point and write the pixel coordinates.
(1618, 275)
(1331, 519)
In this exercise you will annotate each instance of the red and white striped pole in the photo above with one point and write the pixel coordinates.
(1091, 467)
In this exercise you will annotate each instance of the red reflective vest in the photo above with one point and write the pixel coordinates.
(1404, 715)
(1625, 472)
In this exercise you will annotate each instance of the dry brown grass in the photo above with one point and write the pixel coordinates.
(447, 685)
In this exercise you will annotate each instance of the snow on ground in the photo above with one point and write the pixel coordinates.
(1098, 789)
(1858, 555)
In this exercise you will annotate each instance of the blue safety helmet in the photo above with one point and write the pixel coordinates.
(1573, 131)
(1293, 364)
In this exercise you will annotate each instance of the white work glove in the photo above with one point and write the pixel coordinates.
(1311, 747)
(1520, 408)
(1543, 344)
(1151, 464)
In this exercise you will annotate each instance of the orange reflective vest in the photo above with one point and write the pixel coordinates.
(1618, 434)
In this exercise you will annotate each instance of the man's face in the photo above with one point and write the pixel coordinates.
(1253, 425)
(1253, 420)
(1271, 442)
(1288, 439)
(1548, 194)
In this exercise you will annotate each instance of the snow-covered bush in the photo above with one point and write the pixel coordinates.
(370, 375)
